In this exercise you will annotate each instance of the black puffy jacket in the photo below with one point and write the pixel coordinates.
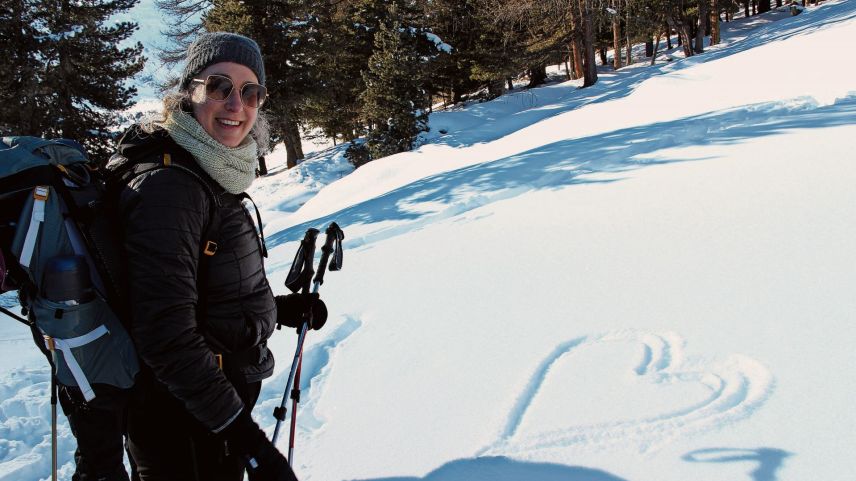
(180, 322)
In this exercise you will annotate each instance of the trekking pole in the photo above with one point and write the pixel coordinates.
(52, 348)
(298, 278)
(15, 316)
(332, 246)
(295, 398)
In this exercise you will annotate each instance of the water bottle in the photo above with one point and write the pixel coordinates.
(66, 280)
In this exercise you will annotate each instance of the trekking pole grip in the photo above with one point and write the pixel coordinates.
(332, 242)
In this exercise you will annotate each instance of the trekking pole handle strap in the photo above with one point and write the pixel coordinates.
(300, 274)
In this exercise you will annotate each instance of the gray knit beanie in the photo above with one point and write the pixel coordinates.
(211, 48)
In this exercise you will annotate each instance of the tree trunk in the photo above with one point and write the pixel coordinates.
(684, 37)
(568, 61)
(763, 6)
(668, 36)
(778, 3)
(509, 82)
(537, 75)
(702, 19)
(627, 32)
(496, 88)
(714, 23)
(629, 52)
(754, 7)
(590, 67)
(707, 21)
(262, 166)
(577, 48)
(649, 46)
(654, 50)
(616, 42)
(746, 8)
(291, 138)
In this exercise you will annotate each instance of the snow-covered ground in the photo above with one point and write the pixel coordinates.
(648, 279)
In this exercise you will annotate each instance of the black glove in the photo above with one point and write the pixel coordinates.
(295, 309)
(264, 462)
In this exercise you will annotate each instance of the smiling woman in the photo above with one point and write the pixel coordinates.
(201, 307)
(225, 112)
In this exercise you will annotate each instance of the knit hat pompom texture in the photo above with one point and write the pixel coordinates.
(211, 48)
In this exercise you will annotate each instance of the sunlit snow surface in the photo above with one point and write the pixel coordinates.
(648, 279)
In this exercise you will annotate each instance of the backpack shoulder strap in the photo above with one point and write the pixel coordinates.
(261, 233)
(178, 160)
(175, 160)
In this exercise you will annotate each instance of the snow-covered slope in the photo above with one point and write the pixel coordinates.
(649, 279)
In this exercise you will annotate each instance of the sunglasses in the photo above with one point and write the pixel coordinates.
(218, 88)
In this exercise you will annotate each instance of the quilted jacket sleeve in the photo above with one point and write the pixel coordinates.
(165, 214)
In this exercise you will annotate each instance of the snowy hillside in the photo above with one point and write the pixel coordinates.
(648, 279)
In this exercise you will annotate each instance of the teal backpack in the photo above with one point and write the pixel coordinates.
(60, 251)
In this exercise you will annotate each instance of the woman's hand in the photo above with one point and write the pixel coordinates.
(295, 309)
(264, 462)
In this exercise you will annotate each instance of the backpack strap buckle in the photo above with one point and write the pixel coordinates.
(41, 193)
(210, 248)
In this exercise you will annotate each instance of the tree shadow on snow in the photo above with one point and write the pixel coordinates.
(568, 162)
(504, 469)
(768, 460)
(491, 120)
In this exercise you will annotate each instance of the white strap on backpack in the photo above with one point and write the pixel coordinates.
(66, 345)
(40, 199)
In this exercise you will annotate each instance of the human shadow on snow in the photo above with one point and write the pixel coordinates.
(500, 468)
(504, 469)
(569, 162)
(768, 460)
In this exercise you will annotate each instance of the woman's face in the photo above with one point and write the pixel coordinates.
(228, 122)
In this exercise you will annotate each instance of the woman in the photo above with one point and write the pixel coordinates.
(200, 303)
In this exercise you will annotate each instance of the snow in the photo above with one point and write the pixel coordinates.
(438, 42)
(650, 278)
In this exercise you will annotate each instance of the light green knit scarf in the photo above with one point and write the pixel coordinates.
(234, 168)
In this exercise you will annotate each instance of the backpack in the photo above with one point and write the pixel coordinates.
(61, 245)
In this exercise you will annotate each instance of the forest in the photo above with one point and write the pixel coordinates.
(367, 72)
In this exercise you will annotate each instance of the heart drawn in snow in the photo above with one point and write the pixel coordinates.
(639, 391)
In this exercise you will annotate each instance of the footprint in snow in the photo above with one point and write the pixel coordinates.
(25, 428)
(314, 372)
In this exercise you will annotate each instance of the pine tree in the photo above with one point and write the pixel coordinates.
(68, 75)
(340, 41)
(473, 40)
(395, 101)
(547, 29)
(184, 23)
(19, 86)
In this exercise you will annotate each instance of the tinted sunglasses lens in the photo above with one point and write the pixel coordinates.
(218, 88)
(253, 95)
